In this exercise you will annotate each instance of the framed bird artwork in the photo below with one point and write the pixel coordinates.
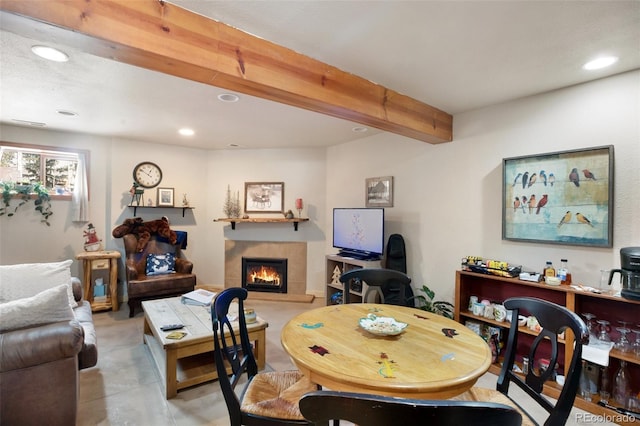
(559, 197)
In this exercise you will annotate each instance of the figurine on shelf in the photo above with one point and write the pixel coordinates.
(288, 214)
(185, 202)
(149, 202)
(91, 240)
(136, 194)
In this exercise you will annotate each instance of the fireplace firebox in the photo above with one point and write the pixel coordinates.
(264, 274)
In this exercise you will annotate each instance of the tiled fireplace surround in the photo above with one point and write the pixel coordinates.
(295, 252)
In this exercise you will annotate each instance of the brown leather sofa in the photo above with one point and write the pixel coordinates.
(141, 286)
(39, 368)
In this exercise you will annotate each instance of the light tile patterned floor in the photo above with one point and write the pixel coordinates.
(125, 389)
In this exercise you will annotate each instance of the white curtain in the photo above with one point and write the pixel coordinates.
(80, 197)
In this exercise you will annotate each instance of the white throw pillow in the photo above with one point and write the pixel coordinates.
(28, 279)
(46, 307)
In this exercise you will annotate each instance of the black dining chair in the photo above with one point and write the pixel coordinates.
(373, 410)
(268, 398)
(393, 287)
(554, 320)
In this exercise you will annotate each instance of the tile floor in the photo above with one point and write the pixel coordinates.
(125, 389)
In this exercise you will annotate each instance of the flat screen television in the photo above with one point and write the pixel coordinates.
(359, 232)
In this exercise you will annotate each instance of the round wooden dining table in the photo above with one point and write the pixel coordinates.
(433, 358)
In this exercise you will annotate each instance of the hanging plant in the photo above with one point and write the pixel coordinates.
(23, 193)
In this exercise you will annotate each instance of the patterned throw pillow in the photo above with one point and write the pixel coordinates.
(158, 264)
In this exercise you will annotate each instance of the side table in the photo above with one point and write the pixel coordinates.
(100, 266)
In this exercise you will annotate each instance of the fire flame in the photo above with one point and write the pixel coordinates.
(265, 275)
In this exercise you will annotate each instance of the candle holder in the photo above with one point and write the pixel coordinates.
(299, 206)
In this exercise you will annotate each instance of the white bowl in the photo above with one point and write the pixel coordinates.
(522, 320)
(382, 326)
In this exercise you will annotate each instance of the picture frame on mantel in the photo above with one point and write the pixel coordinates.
(264, 197)
(379, 191)
(561, 197)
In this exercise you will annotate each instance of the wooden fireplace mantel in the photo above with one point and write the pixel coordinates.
(235, 220)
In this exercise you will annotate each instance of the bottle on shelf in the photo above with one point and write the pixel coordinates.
(563, 272)
(621, 385)
(585, 387)
(549, 270)
(605, 385)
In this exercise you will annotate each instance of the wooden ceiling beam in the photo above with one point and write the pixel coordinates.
(160, 36)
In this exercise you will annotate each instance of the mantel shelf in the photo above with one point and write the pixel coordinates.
(233, 221)
(135, 208)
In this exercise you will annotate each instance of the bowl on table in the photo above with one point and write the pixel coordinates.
(382, 326)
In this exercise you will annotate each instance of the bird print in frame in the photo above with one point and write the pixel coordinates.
(560, 197)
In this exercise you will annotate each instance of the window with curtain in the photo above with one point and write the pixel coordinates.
(55, 168)
(62, 171)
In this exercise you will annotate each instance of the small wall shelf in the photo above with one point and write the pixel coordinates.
(233, 221)
(135, 208)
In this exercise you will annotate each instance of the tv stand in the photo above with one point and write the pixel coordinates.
(358, 255)
(337, 265)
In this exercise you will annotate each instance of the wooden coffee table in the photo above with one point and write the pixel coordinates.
(189, 361)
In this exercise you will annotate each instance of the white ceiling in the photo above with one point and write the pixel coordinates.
(453, 55)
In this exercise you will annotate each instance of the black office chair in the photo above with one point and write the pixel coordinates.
(396, 254)
(374, 410)
(269, 398)
(554, 320)
(393, 287)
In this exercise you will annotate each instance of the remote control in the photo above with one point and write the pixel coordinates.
(170, 327)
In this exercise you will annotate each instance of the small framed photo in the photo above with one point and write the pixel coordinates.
(165, 197)
(264, 197)
(379, 191)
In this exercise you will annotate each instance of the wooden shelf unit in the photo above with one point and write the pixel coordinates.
(235, 220)
(345, 264)
(603, 306)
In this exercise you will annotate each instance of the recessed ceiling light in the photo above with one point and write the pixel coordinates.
(359, 129)
(186, 132)
(228, 97)
(598, 63)
(67, 112)
(50, 53)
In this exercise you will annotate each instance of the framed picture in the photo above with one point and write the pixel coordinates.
(264, 197)
(559, 198)
(165, 197)
(379, 191)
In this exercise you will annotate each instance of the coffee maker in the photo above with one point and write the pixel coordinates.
(630, 272)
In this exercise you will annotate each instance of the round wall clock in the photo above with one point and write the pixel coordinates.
(147, 174)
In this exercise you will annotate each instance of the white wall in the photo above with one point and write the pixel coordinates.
(202, 175)
(448, 197)
(303, 174)
(23, 239)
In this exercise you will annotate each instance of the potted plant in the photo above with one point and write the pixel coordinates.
(426, 303)
(23, 193)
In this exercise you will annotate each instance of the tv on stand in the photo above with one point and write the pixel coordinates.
(358, 233)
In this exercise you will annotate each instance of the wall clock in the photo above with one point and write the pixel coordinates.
(147, 174)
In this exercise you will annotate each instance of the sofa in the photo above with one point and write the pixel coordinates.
(46, 336)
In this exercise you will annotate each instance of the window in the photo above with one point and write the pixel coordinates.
(55, 168)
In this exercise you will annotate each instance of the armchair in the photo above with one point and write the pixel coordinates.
(140, 285)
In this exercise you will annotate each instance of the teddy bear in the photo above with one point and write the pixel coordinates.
(143, 230)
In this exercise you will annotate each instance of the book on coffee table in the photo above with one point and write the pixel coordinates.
(198, 297)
